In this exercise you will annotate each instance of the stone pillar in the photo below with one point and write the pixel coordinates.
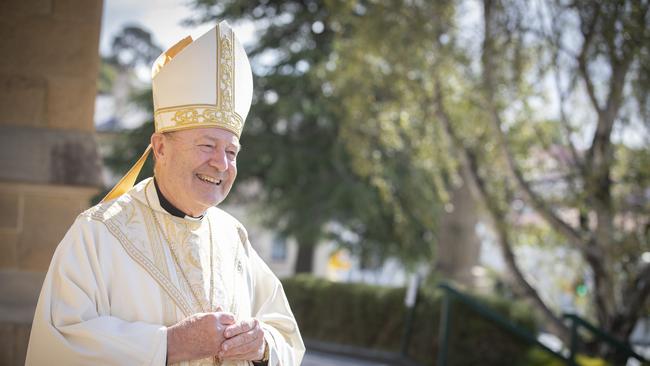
(49, 165)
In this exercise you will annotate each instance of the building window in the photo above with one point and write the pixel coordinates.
(279, 249)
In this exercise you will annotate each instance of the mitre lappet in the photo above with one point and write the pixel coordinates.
(199, 83)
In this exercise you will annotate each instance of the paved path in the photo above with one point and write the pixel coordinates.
(315, 358)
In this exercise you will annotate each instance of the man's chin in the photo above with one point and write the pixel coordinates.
(214, 201)
(212, 197)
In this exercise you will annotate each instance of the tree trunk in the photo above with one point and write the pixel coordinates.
(304, 259)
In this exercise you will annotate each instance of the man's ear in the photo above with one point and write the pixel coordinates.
(159, 145)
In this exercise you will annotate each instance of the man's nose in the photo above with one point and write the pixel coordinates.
(219, 161)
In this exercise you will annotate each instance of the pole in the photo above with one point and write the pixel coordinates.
(443, 333)
(409, 301)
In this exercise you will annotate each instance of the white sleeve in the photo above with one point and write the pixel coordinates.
(272, 309)
(73, 323)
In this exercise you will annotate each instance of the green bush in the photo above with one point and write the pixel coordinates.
(537, 357)
(373, 317)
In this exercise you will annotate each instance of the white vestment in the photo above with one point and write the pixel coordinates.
(113, 286)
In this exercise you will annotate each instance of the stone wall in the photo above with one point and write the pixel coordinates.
(49, 165)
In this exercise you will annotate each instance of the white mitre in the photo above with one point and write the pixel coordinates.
(197, 84)
(205, 83)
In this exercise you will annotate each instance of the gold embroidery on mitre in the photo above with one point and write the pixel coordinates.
(182, 117)
(226, 74)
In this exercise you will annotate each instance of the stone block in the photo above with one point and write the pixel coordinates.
(22, 100)
(48, 211)
(12, 8)
(89, 11)
(47, 47)
(9, 210)
(13, 345)
(42, 155)
(18, 295)
(52, 216)
(7, 343)
(21, 336)
(10, 217)
(24, 154)
(70, 103)
(8, 245)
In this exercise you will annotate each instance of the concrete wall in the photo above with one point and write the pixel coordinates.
(49, 166)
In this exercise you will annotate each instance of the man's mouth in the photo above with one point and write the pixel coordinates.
(209, 179)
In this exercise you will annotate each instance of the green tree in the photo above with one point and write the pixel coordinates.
(403, 75)
(481, 91)
(294, 146)
(366, 112)
(602, 65)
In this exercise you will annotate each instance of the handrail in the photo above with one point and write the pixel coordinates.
(578, 321)
(487, 313)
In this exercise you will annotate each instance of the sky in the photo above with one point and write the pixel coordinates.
(162, 18)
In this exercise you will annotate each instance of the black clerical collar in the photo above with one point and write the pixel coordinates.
(168, 206)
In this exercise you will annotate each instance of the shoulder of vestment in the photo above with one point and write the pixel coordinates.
(112, 209)
(226, 222)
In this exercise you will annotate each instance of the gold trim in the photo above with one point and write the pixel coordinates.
(199, 116)
(217, 68)
(135, 254)
(192, 116)
(232, 45)
(226, 67)
(180, 106)
(177, 262)
(160, 260)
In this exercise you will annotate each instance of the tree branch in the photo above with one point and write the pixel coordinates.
(537, 202)
(599, 161)
(479, 187)
(636, 297)
(588, 34)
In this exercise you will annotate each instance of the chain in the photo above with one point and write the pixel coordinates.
(177, 262)
(238, 267)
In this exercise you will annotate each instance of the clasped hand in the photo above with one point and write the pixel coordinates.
(244, 340)
(215, 334)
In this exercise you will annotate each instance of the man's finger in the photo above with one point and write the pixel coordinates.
(249, 343)
(241, 327)
(250, 356)
(225, 318)
(242, 339)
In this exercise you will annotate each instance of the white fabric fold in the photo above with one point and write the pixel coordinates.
(112, 287)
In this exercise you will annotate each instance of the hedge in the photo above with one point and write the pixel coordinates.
(373, 317)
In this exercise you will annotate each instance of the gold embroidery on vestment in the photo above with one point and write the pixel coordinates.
(117, 229)
(160, 260)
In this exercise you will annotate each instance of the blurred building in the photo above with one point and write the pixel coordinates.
(49, 166)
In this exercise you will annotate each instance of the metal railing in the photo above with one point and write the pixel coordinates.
(576, 322)
(450, 294)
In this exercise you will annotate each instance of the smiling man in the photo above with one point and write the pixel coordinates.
(156, 274)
